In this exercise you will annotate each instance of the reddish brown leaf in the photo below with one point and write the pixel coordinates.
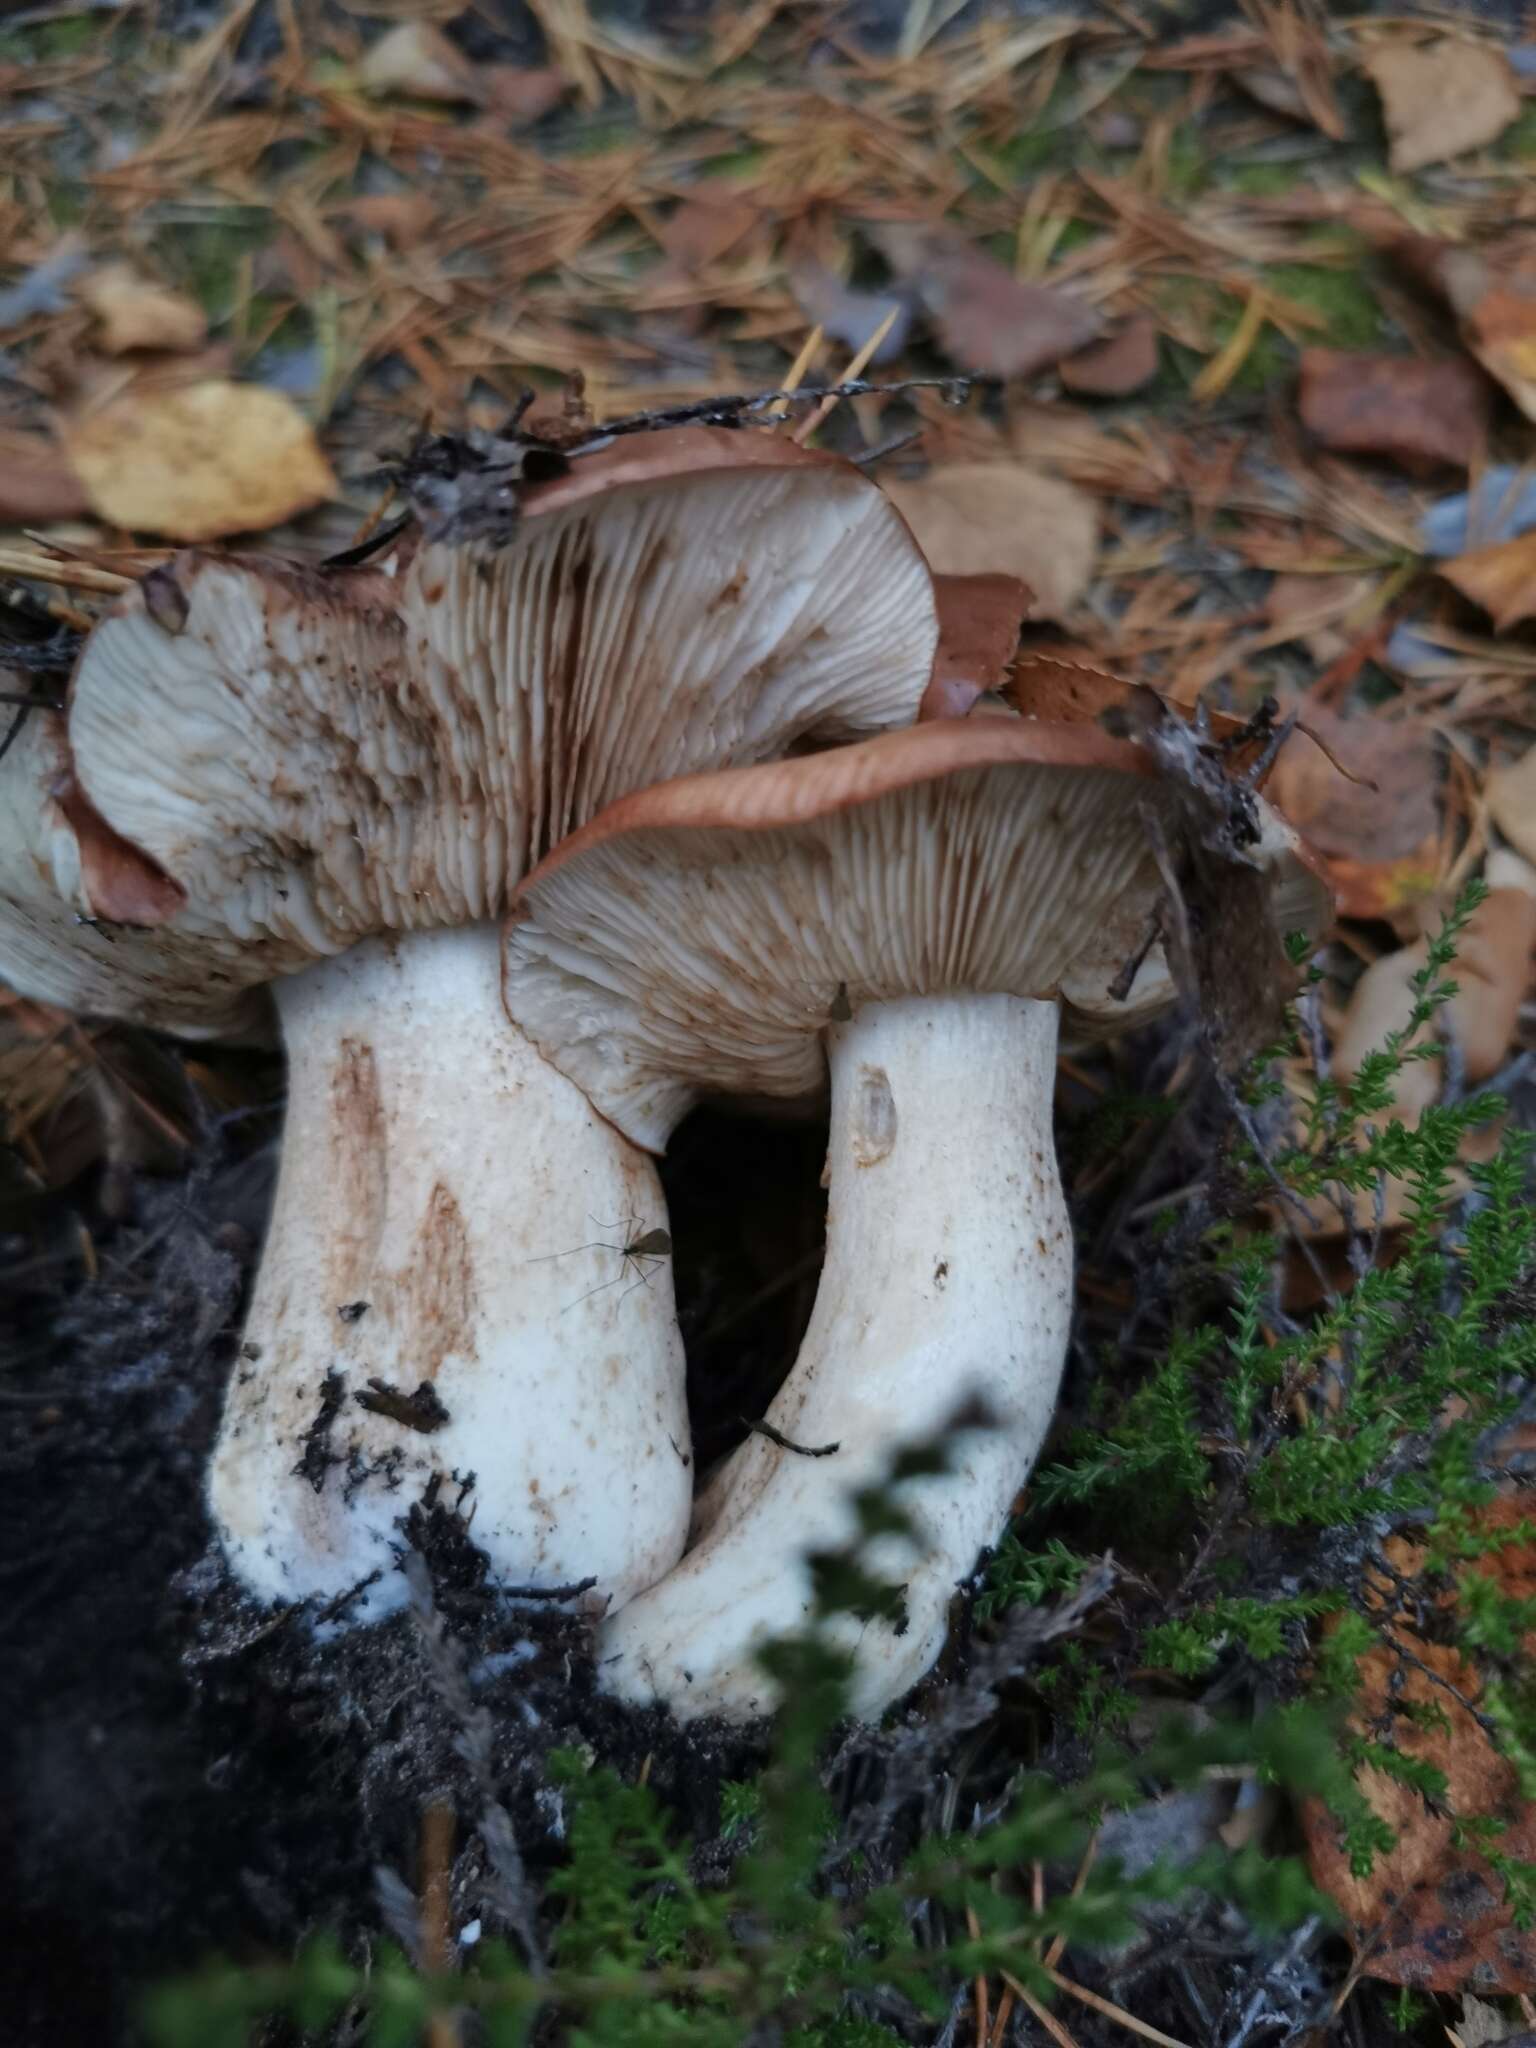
(979, 621)
(987, 320)
(1116, 367)
(708, 223)
(1378, 845)
(1431, 1914)
(1442, 99)
(1422, 415)
(37, 484)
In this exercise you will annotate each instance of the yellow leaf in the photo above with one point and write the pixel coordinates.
(1441, 100)
(135, 313)
(200, 462)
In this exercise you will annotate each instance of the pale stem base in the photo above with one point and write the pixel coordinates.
(449, 1222)
(948, 1277)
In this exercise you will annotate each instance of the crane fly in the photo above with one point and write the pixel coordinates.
(645, 1250)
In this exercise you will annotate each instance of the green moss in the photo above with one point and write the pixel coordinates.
(1260, 181)
(1189, 169)
(1519, 138)
(1343, 297)
(46, 41)
(207, 256)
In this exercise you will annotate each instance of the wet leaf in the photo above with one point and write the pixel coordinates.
(986, 518)
(417, 60)
(986, 319)
(1502, 579)
(1421, 415)
(1379, 845)
(199, 461)
(848, 316)
(1116, 367)
(1431, 1913)
(1441, 99)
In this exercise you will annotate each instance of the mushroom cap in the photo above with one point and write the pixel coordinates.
(312, 758)
(58, 860)
(697, 937)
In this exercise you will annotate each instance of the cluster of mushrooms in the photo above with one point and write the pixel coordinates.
(535, 840)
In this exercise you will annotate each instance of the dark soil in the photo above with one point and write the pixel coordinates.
(185, 1774)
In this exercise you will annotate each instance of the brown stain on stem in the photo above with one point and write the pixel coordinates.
(359, 1170)
(435, 1296)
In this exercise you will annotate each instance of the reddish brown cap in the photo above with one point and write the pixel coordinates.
(695, 938)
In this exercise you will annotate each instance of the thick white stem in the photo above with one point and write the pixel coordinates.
(450, 1221)
(948, 1276)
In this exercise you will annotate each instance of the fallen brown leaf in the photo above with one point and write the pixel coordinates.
(1431, 1913)
(708, 223)
(37, 485)
(1311, 607)
(986, 319)
(132, 312)
(1421, 415)
(416, 60)
(1501, 578)
(979, 621)
(402, 218)
(1116, 367)
(198, 462)
(985, 518)
(1512, 802)
(1442, 99)
(523, 95)
(1492, 974)
(1379, 846)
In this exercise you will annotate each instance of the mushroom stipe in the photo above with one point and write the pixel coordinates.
(967, 888)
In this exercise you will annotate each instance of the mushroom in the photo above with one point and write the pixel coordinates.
(915, 906)
(335, 781)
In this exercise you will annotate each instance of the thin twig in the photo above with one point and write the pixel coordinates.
(1110, 2011)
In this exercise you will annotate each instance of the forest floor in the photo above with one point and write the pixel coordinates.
(1238, 313)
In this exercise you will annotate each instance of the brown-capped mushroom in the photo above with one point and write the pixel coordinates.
(911, 910)
(335, 780)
